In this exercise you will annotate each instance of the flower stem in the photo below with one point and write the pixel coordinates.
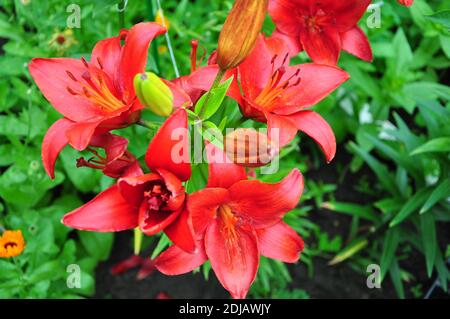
(121, 9)
(147, 125)
(215, 84)
(169, 44)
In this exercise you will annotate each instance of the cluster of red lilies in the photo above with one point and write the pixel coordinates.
(234, 219)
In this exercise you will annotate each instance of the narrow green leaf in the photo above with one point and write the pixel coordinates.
(428, 230)
(396, 277)
(379, 169)
(365, 212)
(354, 247)
(440, 192)
(442, 18)
(411, 206)
(391, 241)
(437, 145)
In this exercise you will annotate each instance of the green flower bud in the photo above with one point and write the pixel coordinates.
(154, 93)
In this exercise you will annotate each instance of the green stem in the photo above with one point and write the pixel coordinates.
(215, 84)
(121, 9)
(147, 125)
(169, 44)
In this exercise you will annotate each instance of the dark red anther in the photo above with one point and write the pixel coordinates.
(71, 91)
(71, 76)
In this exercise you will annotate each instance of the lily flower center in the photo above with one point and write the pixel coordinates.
(94, 87)
(229, 223)
(157, 197)
(275, 87)
(318, 20)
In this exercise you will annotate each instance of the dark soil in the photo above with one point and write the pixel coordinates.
(339, 281)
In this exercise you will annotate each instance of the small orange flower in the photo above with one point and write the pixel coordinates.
(12, 244)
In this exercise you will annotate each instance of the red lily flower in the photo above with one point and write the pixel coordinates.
(406, 3)
(281, 94)
(117, 161)
(155, 202)
(235, 221)
(323, 27)
(94, 97)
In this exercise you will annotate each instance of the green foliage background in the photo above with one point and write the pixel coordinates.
(391, 119)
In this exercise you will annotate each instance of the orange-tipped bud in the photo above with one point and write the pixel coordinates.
(250, 148)
(240, 31)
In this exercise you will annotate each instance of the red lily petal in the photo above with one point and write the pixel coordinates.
(180, 97)
(125, 265)
(181, 232)
(135, 52)
(175, 261)
(280, 242)
(80, 134)
(114, 145)
(107, 212)
(235, 259)
(286, 129)
(147, 268)
(355, 42)
(133, 187)
(265, 204)
(283, 14)
(133, 170)
(347, 13)
(255, 71)
(54, 141)
(203, 77)
(292, 42)
(318, 129)
(155, 221)
(106, 55)
(222, 173)
(317, 82)
(171, 153)
(203, 205)
(175, 186)
(54, 87)
(322, 47)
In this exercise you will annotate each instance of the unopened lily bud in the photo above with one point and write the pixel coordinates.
(249, 147)
(154, 93)
(240, 31)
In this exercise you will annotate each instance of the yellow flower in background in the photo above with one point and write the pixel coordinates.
(62, 41)
(161, 19)
(12, 243)
(162, 49)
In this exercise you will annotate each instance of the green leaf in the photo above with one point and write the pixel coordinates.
(396, 277)
(213, 99)
(428, 231)
(49, 271)
(437, 145)
(365, 212)
(442, 18)
(163, 243)
(391, 241)
(404, 55)
(411, 206)
(440, 192)
(351, 249)
(380, 170)
(98, 245)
